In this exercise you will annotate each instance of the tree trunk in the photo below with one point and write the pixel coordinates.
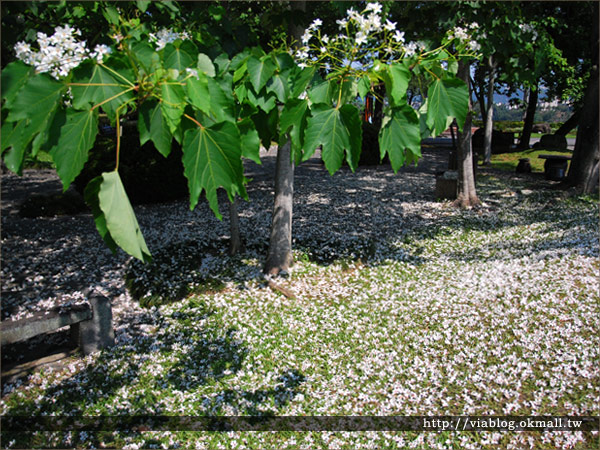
(280, 245)
(583, 172)
(467, 195)
(279, 256)
(529, 118)
(570, 124)
(489, 115)
(235, 243)
(477, 87)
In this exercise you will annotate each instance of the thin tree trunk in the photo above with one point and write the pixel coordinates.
(235, 243)
(280, 245)
(570, 124)
(478, 92)
(489, 116)
(279, 256)
(529, 118)
(467, 195)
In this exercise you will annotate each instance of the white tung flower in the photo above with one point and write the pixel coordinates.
(22, 49)
(389, 26)
(474, 45)
(59, 53)
(165, 36)
(100, 51)
(306, 36)
(461, 33)
(361, 38)
(411, 49)
(373, 22)
(375, 7)
(342, 23)
(399, 36)
(316, 24)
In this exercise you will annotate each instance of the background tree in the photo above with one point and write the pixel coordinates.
(583, 172)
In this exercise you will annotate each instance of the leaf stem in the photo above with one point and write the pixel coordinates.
(96, 84)
(118, 141)
(117, 74)
(194, 120)
(114, 97)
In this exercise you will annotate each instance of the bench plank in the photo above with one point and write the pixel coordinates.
(21, 330)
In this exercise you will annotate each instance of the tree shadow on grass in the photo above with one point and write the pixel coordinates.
(178, 364)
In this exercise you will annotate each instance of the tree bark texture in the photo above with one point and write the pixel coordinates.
(489, 116)
(280, 244)
(529, 117)
(235, 242)
(279, 256)
(467, 195)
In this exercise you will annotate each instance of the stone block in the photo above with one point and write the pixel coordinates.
(446, 185)
(97, 333)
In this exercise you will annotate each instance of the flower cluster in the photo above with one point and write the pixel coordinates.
(60, 53)
(363, 35)
(465, 37)
(528, 29)
(165, 36)
(368, 35)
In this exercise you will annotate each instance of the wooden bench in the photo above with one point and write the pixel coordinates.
(91, 324)
(555, 166)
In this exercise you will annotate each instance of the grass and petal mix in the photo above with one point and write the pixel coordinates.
(403, 305)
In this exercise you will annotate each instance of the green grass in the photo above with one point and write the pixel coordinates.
(509, 161)
(572, 134)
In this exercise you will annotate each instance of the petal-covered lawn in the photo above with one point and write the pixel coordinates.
(402, 306)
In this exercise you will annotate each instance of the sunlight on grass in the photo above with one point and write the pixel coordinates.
(509, 161)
